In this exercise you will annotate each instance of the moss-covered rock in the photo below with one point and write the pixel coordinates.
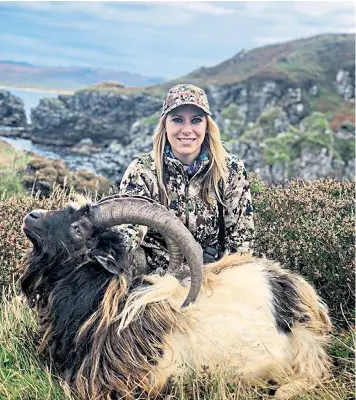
(42, 174)
(152, 119)
(233, 121)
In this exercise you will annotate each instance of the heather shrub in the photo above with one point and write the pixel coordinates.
(13, 242)
(307, 226)
(310, 228)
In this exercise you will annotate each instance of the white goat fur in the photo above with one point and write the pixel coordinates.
(231, 327)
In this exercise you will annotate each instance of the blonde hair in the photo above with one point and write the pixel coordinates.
(217, 155)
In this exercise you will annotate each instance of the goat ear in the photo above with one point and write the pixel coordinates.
(105, 259)
(107, 248)
(108, 262)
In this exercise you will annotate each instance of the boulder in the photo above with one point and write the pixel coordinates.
(12, 110)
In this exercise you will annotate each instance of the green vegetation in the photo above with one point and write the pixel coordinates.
(23, 174)
(23, 375)
(309, 228)
(152, 119)
(297, 61)
(234, 122)
(12, 163)
(282, 148)
(313, 134)
(345, 148)
(335, 110)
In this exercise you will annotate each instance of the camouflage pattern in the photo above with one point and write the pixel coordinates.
(201, 219)
(185, 94)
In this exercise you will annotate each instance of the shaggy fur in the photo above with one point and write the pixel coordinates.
(111, 336)
(232, 327)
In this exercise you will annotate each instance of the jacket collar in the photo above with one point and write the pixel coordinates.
(173, 163)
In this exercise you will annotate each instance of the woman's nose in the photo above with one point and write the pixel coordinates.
(187, 128)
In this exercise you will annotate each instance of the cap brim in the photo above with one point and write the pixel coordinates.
(171, 108)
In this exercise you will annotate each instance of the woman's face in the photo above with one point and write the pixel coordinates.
(186, 128)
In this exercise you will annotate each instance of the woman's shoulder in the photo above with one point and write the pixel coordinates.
(235, 165)
(143, 161)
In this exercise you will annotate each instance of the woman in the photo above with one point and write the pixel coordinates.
(190, 172)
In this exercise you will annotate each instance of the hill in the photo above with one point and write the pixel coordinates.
(322, 67)
(311, 64)
(21, 74)
(301, 61)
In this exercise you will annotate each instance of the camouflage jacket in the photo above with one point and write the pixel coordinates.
(185, 201)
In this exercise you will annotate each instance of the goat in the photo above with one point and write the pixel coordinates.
(112, 334)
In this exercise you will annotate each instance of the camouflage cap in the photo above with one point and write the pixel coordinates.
(185, 94)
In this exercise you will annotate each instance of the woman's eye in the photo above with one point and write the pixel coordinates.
(178, 120)
(196, 120)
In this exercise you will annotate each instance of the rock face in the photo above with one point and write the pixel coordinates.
(12, 110)
(345, 84)
(99, 115)
(252, 98)
(260, 121)
(272, 105)
(104, 116)
(279, 151)
(115, 158)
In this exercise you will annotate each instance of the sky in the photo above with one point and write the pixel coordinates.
(158, 39)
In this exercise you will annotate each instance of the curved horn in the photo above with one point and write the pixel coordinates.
(143, 211)
(175, 255)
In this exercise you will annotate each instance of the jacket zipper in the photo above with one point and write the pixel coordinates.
(186, 193)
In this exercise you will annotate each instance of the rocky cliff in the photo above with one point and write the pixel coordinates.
(100, 115)
(287, 110)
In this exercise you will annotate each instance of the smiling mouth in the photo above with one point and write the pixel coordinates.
(185, 140)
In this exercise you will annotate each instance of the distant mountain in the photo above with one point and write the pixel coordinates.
(302, 62)
(313, 58)
(22, 74)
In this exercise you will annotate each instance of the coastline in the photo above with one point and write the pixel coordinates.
(36, 89)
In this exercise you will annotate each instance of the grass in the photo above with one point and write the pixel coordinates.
(23, 375)
(10, 158)
(12, 163)
(26, 376)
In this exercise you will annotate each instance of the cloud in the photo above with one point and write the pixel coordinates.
(140, 13)
(32, 5)
(324, 8)
(73, 55)
(201, 7)
(266, 40)
(158, 38)
(348, 20)
(294, 20)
